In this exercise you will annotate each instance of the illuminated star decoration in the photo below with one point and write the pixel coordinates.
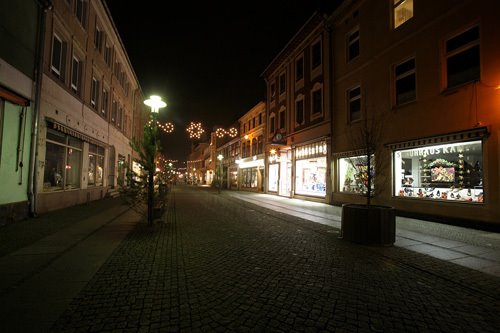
(167, 127)
(232, 132)
(195, 130)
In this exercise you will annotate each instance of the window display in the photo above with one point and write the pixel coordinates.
(249, 178)
(353, 174)
(273, 177)
(63, 161)
(442, 172)
(311, 176)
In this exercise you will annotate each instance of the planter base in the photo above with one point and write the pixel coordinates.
(369, 225)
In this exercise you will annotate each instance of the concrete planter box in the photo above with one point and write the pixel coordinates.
(369, 225)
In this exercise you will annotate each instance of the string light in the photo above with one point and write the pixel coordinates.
(167, 127)
(195, 130)
(232, 132)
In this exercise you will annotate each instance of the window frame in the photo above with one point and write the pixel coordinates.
(398, 77)
(351, 100)
(94, 92)
(76, 86)
(282, 118)
(460, 50)
(352, 42)
(300, 98)
(395, 5)
(318, 87)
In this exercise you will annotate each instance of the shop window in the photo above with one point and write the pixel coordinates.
(402, 11)
(273, 177)
(299, 69)
(449, 172)
(353, 174)
(354, 104)
(63, 159)
(463, 58)
(405, 82)
(311, 176)
(96, 165)
(249, 178)
(353, 45)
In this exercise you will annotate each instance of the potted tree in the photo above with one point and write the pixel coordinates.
(368, 223)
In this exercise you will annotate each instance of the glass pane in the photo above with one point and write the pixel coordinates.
(56, 136)
(404, 67)
(92, 170)
(54, 167)
(74, 142)
(463, 39)
(406, 89)
(463, 67)
(73, 168)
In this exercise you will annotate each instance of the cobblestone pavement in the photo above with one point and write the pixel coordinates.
(220, 264)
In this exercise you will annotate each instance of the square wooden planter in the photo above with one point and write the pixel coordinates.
(369, 225)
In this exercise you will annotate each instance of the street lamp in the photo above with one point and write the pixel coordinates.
(155, 103)
(220, 158)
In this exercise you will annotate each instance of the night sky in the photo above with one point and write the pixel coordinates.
(205, 59)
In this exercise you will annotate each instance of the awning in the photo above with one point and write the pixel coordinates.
(74, 133)
(467, 135)
(13, 97)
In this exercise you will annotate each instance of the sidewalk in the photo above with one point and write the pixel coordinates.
(38, 281)
(475, 249)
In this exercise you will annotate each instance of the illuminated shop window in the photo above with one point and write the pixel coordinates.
(273, 177)
(310, 169)
(452, 172)
(403, 11)
(353, 174)
(63, 156)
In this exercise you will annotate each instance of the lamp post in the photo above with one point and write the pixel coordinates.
(220, 158)
(155, 103)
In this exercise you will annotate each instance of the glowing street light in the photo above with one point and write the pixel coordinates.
(155, 103)
(220, 157)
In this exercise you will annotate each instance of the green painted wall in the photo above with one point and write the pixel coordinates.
(10, 189)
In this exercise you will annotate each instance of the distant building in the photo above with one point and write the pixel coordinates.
(298, 115)
(428, 72)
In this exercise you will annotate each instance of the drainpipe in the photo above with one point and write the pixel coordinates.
(32, 181)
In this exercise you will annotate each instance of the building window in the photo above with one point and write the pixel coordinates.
(282, 118)
(299, 69)
(76, 72)
(317, 101)
(353, 174)
(354, 104)
(273, 90)
(260, 144)
(58, 61)
(96, 165)
(254, 146)
(353, 45)
(316, 54)
(119, 117)
(405, 82)
(402, 11)
(450, 172)
(108, 55)
(311, 169)
(114, 111)
(105, 104)
(260, 118)
(299, 111)
(249, 178)
(81, 12)
(63, 160)
(94, 93)
(98, 38)
(272, 125)
(463, 58)
(282, 82)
